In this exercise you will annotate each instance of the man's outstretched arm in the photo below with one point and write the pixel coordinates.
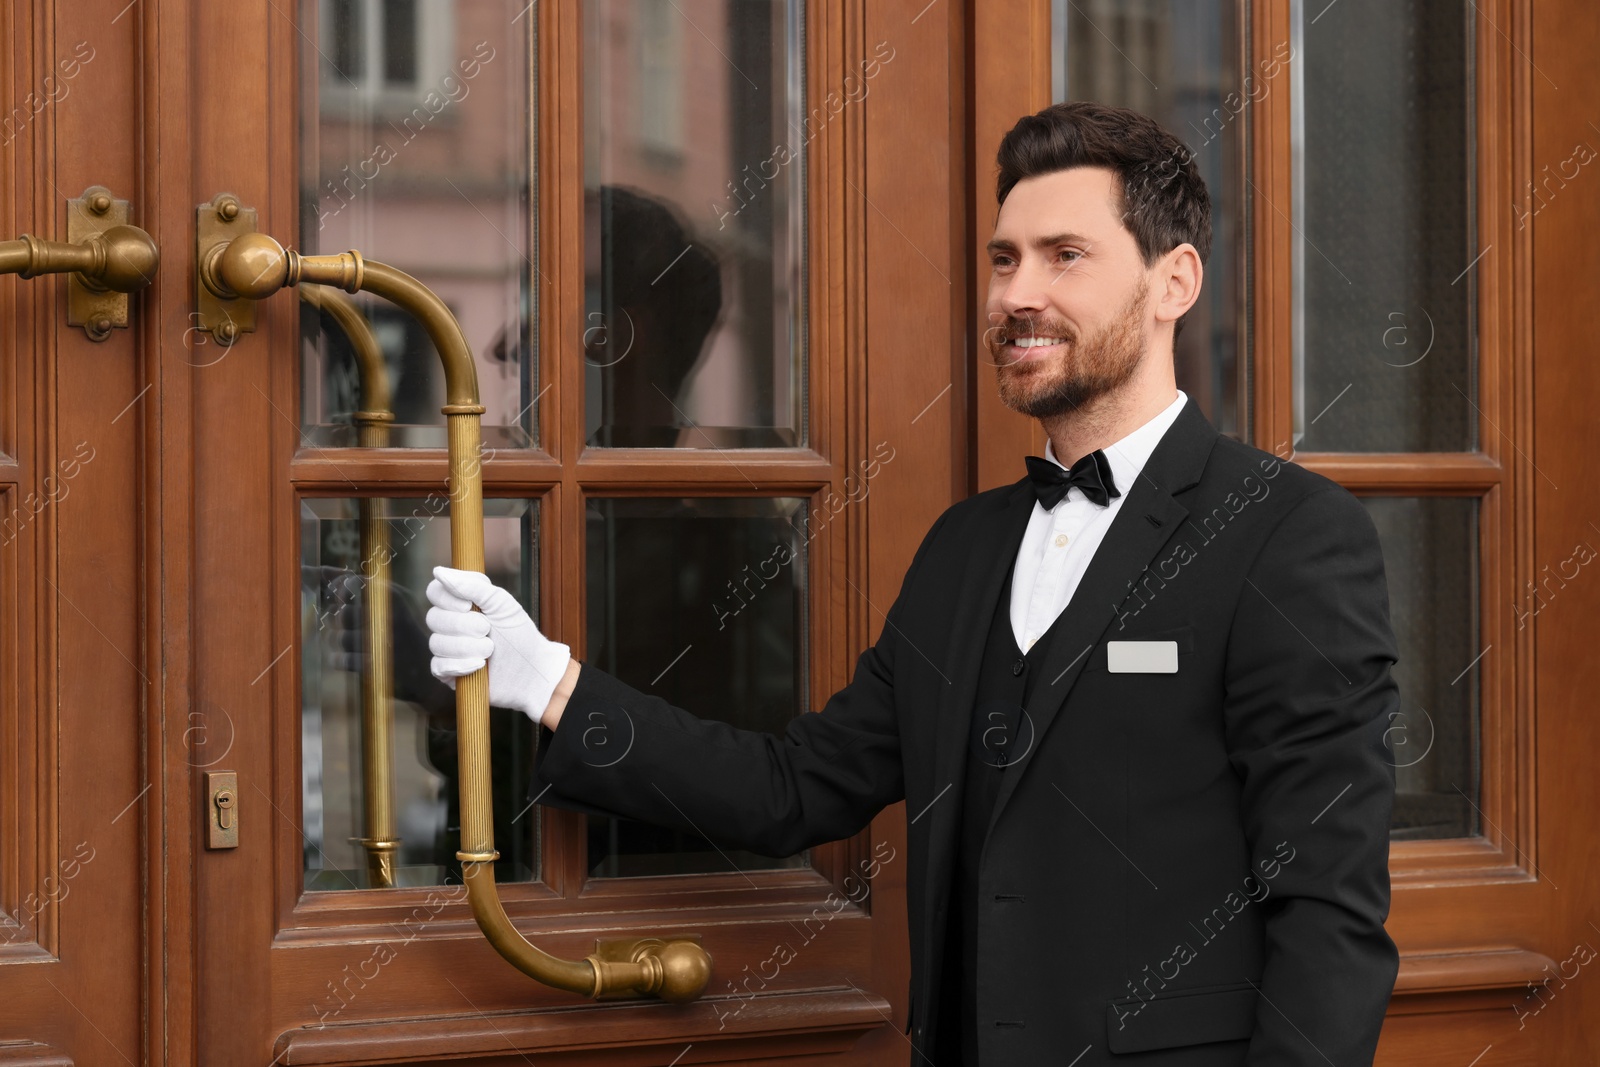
(619, 751)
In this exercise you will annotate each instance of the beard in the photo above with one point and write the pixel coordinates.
(1090, 368)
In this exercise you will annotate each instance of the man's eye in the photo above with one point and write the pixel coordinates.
(1068, 255)
(1001, 261)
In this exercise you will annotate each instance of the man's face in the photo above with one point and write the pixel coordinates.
(1067, 313)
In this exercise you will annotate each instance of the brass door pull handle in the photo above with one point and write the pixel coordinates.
(238, 266)
(381, 841)
(106, 256)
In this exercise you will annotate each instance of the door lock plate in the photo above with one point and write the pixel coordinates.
(222, 809)
(97, 310)
(222, 315)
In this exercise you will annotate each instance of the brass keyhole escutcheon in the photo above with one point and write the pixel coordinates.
(222, 809)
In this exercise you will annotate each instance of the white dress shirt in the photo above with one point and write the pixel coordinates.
(1059, 543)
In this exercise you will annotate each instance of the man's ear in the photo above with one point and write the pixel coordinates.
(1178, 277)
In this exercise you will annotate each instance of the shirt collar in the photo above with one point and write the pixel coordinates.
(1128, 455)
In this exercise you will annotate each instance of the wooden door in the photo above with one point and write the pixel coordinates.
(707, 256)
(1402, 200)
(159, 491)
(78, 677)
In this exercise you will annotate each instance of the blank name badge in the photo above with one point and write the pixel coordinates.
(1142, 657)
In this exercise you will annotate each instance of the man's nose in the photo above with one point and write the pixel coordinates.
(1026, 290)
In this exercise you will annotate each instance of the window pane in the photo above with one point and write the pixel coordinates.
(400, 41)
(694, 143)
(1178, 62)
(1430, 554)
(415, 143)
(701, 602)
(1385, 324)
(345, 50)
(338, 588)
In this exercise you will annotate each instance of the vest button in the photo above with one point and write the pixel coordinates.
(1018, 667)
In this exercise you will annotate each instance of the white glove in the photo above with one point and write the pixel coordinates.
(524, 664)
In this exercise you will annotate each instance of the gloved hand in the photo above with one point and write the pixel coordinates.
(524, 664)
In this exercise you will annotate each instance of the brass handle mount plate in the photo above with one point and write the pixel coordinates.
(105, 258)
(97, 308)
(223, 314)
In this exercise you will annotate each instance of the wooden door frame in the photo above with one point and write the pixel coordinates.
(1010, 90)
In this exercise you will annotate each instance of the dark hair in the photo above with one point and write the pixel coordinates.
(1163, 200)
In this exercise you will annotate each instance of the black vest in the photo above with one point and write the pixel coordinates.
(1001, 734)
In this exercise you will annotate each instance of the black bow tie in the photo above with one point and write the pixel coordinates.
(1091, 474)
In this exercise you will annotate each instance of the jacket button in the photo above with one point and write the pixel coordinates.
(1018, 667)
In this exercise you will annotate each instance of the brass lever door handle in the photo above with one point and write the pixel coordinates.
(238, 266)
(106, 256)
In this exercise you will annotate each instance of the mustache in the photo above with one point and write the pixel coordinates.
(995, 337)
(1014, 328)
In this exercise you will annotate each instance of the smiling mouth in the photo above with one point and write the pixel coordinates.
(1028, 349)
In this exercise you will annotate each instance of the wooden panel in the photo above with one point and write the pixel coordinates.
(1485, 1037)
(32, 1054)
(186, 736)
(1010, 78)
(236, 444)
(907, 366)
(1427, 974)
(71, 670)
(1269, 195)
(773, 1028)
(1449, 1008)
(398, 471)
(23, 319)
(1563, 82)
(1404, 473)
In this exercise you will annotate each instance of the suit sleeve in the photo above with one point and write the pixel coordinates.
(622, 752)
(1309, 697)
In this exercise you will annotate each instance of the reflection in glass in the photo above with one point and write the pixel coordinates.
(416, 136)
(1385, 325)
(335, 612)
(701, 602)
(693, 223)
(1178, 61)
(1430, 555)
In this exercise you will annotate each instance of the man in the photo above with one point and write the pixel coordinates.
(1137, 699)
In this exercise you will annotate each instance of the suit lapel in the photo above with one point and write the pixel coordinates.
(1147, 520)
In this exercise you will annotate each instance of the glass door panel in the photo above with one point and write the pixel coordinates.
(701, 601)
(1178, 61)
(694, 247)
(1385, 320)
(338, 587)
(416, 147)
(1430, 555)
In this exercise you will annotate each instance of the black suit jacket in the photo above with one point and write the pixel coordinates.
(1185, 867)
